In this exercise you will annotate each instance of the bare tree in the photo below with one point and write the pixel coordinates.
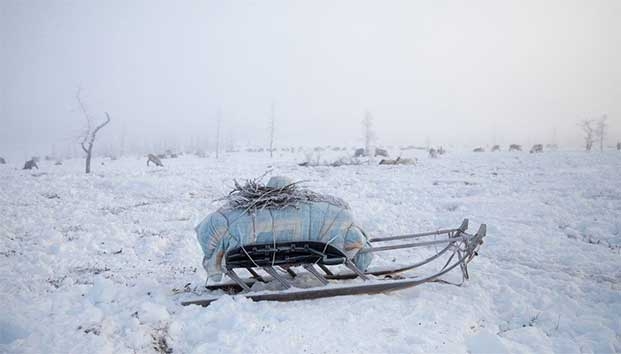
(122, 141)
(230, 141)
(587, 127)
(368, 134)
(601, 131)
(272, 129)
(90, 134)
(218, 134)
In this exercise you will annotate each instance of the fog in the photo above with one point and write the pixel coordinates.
(464, 73)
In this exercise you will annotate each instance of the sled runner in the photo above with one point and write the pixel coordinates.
(282, 262)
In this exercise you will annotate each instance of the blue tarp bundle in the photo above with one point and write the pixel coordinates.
(305, 221)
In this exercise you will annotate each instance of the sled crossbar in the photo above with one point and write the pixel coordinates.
(462, 228)
(415, 244)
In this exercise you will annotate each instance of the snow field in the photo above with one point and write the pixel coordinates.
(89, 263)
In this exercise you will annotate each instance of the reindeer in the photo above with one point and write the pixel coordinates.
(156, 160)
(433, 153)
(406, 161)
(359, 152)
(30, 164)
(515, 147)
(479, 149)
(552, 147)
(397, 161)
(381, 152)
(536, 148)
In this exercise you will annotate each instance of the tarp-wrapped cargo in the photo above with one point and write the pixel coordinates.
(312, 217)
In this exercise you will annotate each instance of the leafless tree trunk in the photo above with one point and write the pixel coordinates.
(218, 134)
(122, 142)
(89, 136)
(601, 131)
(587, 128)
(367, 124)
(230, 141)
(272, 129)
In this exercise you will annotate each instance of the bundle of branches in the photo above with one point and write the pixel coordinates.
(253, 196)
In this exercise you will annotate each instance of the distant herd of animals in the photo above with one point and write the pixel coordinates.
(433, 153)
(515, 147)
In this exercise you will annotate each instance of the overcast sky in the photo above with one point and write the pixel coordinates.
(463, 72)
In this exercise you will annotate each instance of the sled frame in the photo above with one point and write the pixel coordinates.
(277, 259)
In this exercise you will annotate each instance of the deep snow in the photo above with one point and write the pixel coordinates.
(89, 263)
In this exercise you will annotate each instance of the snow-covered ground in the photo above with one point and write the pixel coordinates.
(89, 263)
